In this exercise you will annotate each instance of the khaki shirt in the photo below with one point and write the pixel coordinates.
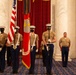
(64, 42)
(45, 35)
(3, 38)
(32, 38)
(17, 39)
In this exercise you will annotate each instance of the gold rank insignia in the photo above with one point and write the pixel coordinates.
(14, 47)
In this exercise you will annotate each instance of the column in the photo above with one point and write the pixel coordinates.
(61, 24)
(72, 26)
(5, 13)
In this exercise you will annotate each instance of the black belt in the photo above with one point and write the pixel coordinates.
(0, 46)
(64, 46)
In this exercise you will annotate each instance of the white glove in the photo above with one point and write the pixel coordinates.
(20, 50)
(47, 48)
(36, 50)
(0, 49)
(49, 40)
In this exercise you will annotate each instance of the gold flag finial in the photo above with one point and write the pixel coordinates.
(33, 0)
(46, 0)
(19, 0)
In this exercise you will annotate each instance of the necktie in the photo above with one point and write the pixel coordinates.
(48, 34)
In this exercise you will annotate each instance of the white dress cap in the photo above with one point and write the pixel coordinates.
(2, 26)
(32, 26)
(48, 25)
(17, 27)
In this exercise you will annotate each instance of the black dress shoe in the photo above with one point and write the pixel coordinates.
(31, 72)
(49, 73)
(44, 65)
(9, 64)
(64, 66)
(15, 72)
(1, 71)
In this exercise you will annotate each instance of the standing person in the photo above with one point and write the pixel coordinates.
(33, 47)
(3, 39)
(49, 38)
(15, 48)
(64, 44)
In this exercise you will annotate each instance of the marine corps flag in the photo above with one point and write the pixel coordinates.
(26, 37)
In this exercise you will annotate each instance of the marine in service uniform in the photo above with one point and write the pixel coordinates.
(3, 39)
(64, 44)
(15, 48)
(49, 38)
(33, 47)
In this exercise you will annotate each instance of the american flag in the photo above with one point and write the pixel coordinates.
(12, 23)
